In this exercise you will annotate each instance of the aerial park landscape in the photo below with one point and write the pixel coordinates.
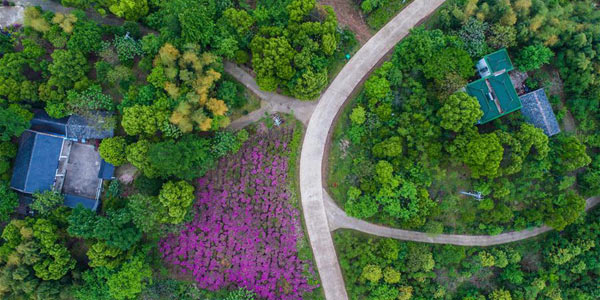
(299, 149)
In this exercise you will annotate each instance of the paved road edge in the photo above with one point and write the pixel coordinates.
(315, 139)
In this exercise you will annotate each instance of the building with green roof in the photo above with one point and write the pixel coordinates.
(494, 91)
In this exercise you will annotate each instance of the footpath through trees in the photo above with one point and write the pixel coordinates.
(315, 140)
(338, 219)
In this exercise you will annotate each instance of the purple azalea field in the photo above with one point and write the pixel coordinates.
(246, 231)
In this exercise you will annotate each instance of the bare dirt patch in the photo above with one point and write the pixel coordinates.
(348, 14)
(557, 88)
(126, 173)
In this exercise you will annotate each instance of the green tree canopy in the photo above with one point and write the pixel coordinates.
(131, 279)
(116, 229)
(113, 150)
(131, 10)
(176, 198)
(358, 115)
(137, 155)
(483, 155)
(140, 120)
(533, 57)
(8, 202)
(569, 154)
(45, 202)
(188, 158)
(459, 111)
(391, 147)
(86, 37)
(14, 120)
(103, 255)
(146, 212)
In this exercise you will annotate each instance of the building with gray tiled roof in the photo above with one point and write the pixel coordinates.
(537, 110)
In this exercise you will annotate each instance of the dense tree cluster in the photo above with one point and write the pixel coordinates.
(414, 144)
(291, 44)
(157, 95)
(296, 55)
(189, 76)
(554, 266)
(33, 259)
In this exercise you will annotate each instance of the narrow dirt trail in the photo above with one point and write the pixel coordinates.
(348, 14)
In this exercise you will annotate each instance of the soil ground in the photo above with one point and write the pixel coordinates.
(556, 88)
(348, 14)
(126, 173)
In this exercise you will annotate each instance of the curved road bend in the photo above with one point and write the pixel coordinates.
(313, 149)
(338, 219)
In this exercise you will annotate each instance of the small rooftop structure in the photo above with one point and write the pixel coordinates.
(538, 111)
(51, 158)
(73, 127)
(494, 63)
(494, 91)
(90, 127)
(107, 171)
(72, 201)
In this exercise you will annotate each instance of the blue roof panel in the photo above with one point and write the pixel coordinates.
(44, 123)
(107, 170)
(22, 161)
(44, 162)
(72, 201)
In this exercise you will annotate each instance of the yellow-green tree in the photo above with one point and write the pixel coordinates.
(459, 111)
(176, 198)
(190, 77)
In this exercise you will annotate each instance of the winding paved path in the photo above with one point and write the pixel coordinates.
(315, 140)
(271, 103)
(338, 219)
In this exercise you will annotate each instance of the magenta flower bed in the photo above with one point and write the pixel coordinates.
(244, 233)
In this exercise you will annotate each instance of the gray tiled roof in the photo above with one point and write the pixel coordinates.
(90, 127)
(93, 126)
(538, 111)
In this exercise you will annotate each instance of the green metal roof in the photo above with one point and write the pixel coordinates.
(479, 90)
(503, 92)
(495, 91)
(499, 61)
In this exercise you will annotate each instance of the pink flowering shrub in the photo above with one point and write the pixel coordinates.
(245, 232)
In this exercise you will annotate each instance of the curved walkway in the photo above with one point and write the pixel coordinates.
(311, 159)
(271, 102)
(338, 219)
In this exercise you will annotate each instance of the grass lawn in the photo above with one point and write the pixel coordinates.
(252, 104)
